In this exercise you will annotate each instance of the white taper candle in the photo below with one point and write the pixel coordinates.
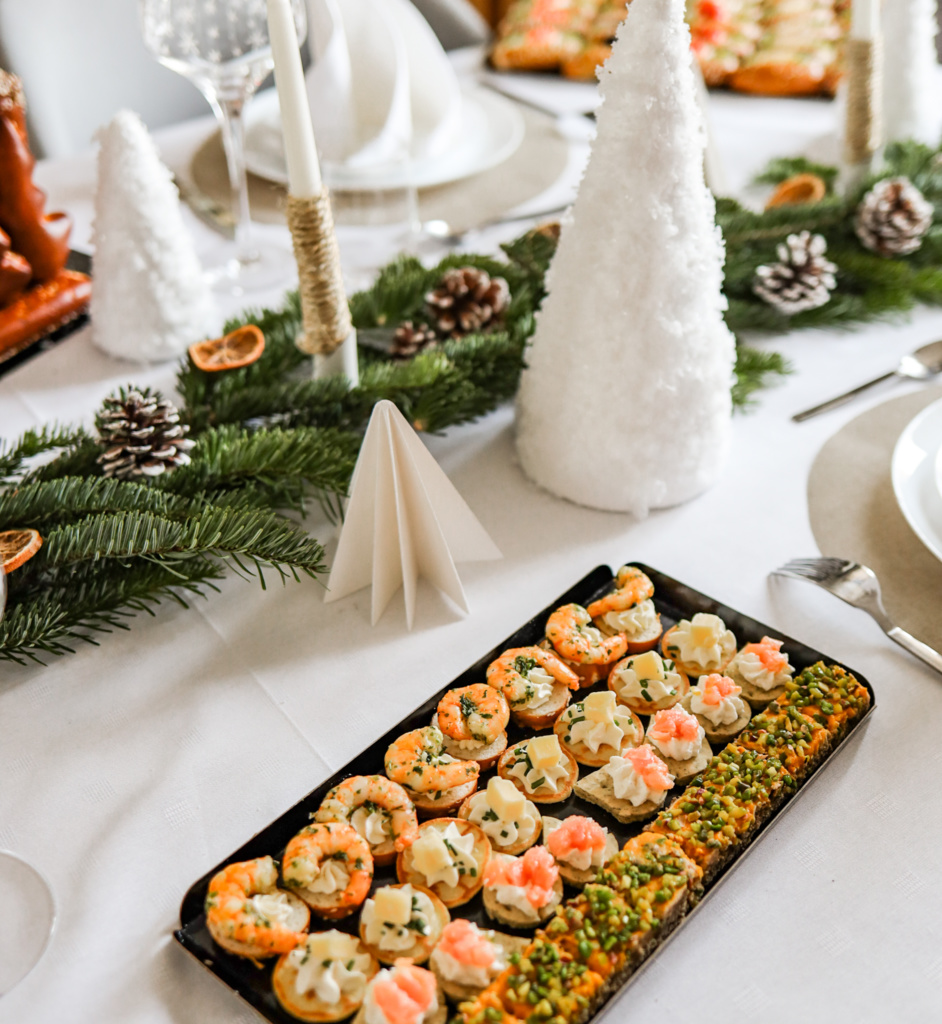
(865, 19)
(304, 173)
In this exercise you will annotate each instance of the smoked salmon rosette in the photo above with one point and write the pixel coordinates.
(468, 958)
(680, 741)
(580, 847)
(522, 891)
(403, 994)
(718, 707)
(762, 671)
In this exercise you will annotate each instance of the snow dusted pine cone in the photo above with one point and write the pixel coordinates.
(467, 300)
(141, 434)
(410, 339)
(893, 217)
(802, 279)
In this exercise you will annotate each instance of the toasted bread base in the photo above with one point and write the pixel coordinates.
(598, 789)
(577, 877)
(427, 805)
(524, 840)
(688, 667)
(308, 1007)
(722, 733)
(683, 771)
(301, 918)
(596, 759)
(486, 755)
(421, 949)
(462, 993)
(507, 762)
(325, 904)
(468, 885)
(544, 716)
(514, 918)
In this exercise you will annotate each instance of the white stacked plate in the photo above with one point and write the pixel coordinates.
(917, 476)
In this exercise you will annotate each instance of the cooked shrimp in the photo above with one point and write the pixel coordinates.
(631, 588)
(509, 672)
(373, 794)
(418, 760)
(477, 712)
(232, 914)
(316, 845)
(571, 632)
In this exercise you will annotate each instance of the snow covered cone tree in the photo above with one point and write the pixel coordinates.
(625, 403)
(150, 301)
(910, 90)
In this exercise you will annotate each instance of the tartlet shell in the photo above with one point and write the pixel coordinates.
(595, 760)
(721, 734)
(688, 667)
(645, 642)
(421, 949)
(523, 843)
(427, 806)
(462, 993)
(507, 762)
(312, 1009)
(758, 698)
(468, 886)
(514, 918)
(650, 707)
(256, 952)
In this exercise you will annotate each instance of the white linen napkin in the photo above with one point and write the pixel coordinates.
(380, 85)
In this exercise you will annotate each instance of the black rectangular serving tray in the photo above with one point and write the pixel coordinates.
(673, 600)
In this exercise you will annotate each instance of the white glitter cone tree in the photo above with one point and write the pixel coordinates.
(150, 300)
(625, 404)
(910, 83)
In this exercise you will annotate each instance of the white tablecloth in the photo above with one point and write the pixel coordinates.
(126, 771)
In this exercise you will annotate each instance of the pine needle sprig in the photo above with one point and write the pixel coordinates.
(13, 458)
(755, 369)
(52, 621)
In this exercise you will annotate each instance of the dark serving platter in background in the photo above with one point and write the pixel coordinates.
(672, 599)
(18, 354)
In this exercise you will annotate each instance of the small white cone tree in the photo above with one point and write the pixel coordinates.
(910, 83)
(625, 403)
(150, 300)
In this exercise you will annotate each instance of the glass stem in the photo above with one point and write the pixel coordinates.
(229, 111)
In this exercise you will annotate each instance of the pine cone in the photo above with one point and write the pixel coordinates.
(803, 279)
(467, 300)
(893, 217)
(410, 339)
(141, 434)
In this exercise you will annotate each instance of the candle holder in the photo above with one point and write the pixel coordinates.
(863, 128)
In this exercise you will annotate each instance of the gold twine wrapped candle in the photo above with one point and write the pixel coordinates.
(863, 130)
(324, 309)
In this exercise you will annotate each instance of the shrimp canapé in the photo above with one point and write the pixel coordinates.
(473, 720)
(247, 914)
(570, 631)
(379, 809)
(329, 865)
(632, 587)
(535, 683)
(435, 780)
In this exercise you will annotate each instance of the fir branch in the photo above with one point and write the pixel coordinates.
(755, 369)
(51, 621)
(260, 537)
(785, 167)
(38, 442)
(46, 503)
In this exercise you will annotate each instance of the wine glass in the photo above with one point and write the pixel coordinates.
(222, 47)
(29, 910)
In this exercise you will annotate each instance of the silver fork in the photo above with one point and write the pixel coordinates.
(858, 586)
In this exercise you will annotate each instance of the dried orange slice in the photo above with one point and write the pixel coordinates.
(239, 348)
(17, 547)
(800, 188)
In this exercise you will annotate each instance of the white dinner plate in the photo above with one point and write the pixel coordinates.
(492, 128)
(914, 472)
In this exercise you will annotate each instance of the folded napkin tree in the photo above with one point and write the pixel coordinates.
(404, 520)
(633, 320)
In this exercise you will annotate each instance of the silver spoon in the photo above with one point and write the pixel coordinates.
(922, 364)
